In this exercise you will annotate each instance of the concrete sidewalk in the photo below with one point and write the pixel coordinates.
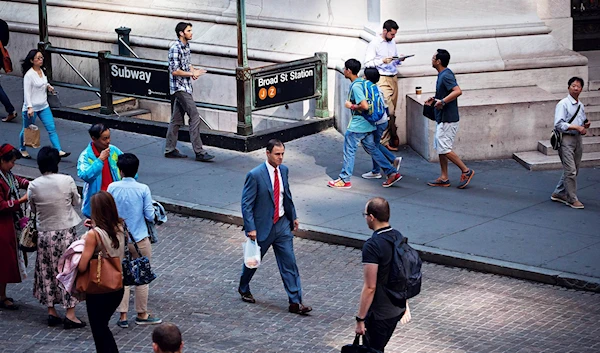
(504, 222)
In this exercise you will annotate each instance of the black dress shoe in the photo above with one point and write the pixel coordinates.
(247, 297)
(54, 320)
(298, 308)
(204, 157)
(175, 154)
(68, 324)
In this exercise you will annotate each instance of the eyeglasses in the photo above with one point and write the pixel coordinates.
(365, 214)
(39, 58)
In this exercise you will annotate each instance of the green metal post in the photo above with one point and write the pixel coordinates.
(322, 110)
(106, 98)
(123, 33)
(43, 29)
(243, 75)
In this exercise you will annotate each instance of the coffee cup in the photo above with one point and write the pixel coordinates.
(418, 90)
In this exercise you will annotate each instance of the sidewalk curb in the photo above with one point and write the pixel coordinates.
(427, 253)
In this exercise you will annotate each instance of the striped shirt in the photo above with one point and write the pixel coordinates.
(180, 59)
(564, 112)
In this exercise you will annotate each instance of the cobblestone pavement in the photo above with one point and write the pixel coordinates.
(198, 263)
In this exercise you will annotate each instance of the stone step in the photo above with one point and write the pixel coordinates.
(535, 160)
(594, 129)
(121, 104)
(588, 98)
(592, 112)
(590, 144)
(138, 114)
(595, 85)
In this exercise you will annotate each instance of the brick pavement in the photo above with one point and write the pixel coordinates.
(198, 262)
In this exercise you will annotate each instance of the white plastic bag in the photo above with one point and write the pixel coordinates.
(251, 253)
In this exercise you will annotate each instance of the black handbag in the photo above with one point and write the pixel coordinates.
(429, 111)
(356, 347)
(136, 272)
(53, 100)
(556, 135)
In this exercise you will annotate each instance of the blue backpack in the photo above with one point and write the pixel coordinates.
(377, 107)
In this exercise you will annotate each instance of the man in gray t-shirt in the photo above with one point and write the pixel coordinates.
(377, 316)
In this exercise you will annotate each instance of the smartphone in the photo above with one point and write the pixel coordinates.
(402, 57)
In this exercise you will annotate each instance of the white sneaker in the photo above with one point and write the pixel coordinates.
(397, 162)
(371, 175)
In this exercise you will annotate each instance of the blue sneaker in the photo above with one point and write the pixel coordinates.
(150, 320)
(123, 323)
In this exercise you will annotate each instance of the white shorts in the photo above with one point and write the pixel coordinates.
(444, 137)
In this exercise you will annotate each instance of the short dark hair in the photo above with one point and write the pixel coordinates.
(128, 164)
(97, 129)
(379, 208)
(443, 56)
(372, 74)
(575, 78)
(389, 25)
(352, 65)
(10, 155)
(167, 336)
(272, 143)
(48, 159)
(181, 26)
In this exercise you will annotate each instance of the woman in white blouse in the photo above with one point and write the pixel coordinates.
(52, 197)
(35, 101)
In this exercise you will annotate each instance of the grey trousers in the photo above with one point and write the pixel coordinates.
(183, 102)
(570, 156)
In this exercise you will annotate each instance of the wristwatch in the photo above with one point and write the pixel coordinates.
(359, 319)
(443, 103)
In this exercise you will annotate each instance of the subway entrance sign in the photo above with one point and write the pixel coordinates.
(285, 83)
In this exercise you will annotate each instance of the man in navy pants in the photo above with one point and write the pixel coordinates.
(269, 218)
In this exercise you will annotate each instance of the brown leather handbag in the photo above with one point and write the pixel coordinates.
(103, 275)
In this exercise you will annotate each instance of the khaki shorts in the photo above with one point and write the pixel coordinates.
(444, 137)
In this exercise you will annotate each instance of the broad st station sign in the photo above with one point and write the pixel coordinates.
(139, 80)
(284, 83)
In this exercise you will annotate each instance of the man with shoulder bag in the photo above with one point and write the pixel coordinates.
(570, 123)
(382, 302)
(134, 204)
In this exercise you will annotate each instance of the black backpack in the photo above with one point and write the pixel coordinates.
(404, 278)
(4, 33)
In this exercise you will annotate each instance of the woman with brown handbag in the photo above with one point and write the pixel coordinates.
(104, 240)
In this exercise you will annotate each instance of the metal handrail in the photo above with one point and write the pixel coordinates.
(78, 73)
(128, 47)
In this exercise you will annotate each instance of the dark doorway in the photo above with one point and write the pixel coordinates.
(586, 24)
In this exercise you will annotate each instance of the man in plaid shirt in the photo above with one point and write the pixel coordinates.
(180, 72)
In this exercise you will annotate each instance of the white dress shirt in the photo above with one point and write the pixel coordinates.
(271, 170)
(564, 112)
(378, 50)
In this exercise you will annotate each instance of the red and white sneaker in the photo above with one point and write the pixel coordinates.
(391, 180)
(339, 184)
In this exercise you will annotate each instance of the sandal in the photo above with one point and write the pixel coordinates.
(10, 117)
(11, 306)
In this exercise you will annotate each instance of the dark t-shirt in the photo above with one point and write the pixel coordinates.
(444, 85)
(378, 250)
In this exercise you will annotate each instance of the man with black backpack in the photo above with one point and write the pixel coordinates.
(360, 101)
(392, 274)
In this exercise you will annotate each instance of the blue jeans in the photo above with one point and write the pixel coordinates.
(386, 153)
(351, 140)
(6, 102)
(47, 119)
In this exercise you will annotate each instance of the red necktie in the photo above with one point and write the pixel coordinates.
(276, 197)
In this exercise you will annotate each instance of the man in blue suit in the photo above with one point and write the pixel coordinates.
(269, 217)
